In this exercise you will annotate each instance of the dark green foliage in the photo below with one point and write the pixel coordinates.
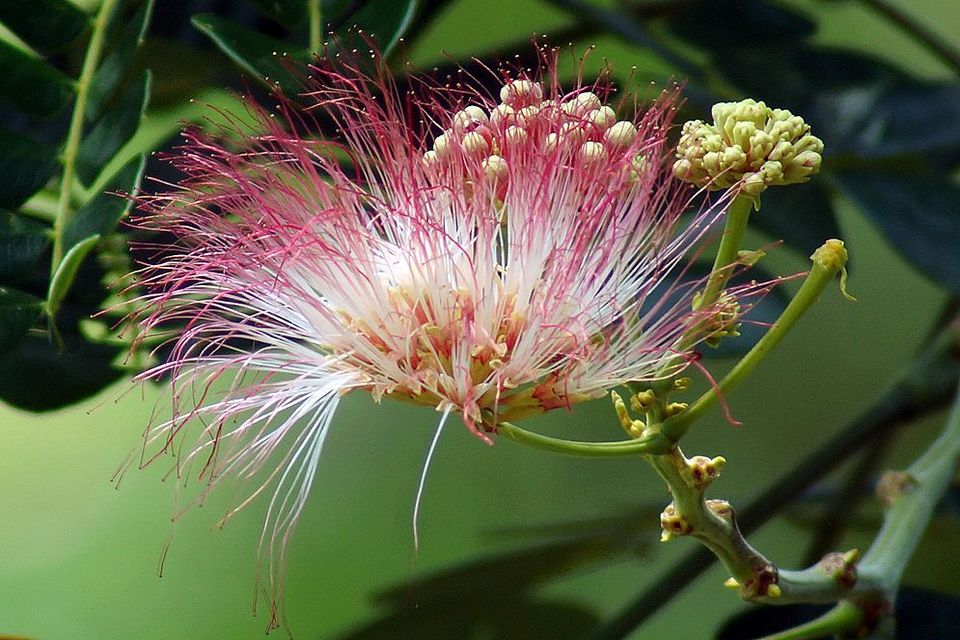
(114, 128)
(22, 243)
(46, 25)
(919, 215)
(101, 215)
(18, 312)
(801, 215)
(30, 84)
(289, 13)
(117, 64)
(25, 164)
(259, 55)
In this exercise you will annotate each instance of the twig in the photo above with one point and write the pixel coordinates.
(921, 388)
(846, 501)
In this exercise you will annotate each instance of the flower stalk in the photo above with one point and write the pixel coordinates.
(727, 253)
(828, 261)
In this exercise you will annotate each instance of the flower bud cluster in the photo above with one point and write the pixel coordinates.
(577, 128)
(748, 144)
(724, 319)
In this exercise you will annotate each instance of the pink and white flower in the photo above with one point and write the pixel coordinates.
(490, 256)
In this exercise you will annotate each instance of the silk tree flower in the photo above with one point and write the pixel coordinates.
(488, 256)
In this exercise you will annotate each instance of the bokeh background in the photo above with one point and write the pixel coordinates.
(79, 555)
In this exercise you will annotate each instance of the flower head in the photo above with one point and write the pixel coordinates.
(493, 256)
(748, 144)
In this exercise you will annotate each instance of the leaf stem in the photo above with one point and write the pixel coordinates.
(825, 268)
(75, 132)
(736, 224)
(651, 444)
(315, 24)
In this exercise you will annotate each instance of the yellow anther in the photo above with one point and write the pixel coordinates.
(773, 591)
(731, 583)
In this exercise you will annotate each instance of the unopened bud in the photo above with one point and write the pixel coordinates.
(495, 167)
(747, 144)
(621, 134)
(475, 143)
(521, 92)
(593, 152)
(604, 117)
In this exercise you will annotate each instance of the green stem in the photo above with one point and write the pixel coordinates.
(727, 253)
(718, 533)
(920, 388)
(905, 521)
(315, 25)
(75, 132)
(825, 268)
(651, 444)
(843, 617)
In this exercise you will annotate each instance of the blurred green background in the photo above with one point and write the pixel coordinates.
(78, 557)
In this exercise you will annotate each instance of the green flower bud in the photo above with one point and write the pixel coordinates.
(748, 145)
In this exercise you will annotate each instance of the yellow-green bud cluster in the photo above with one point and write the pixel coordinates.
(724, 321)
(750, 145)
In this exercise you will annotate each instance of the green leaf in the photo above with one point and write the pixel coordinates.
(25, 166)
(710, 23)
(889, 119)
(333, 9)
(40, 373)
(256, 53)
(787, 76)
(469, 617)
(22, 242)
(65, 274)
(114, 129)
(101, 214)
(18, 312)
(117, 62)
(30, 84)
(383, 20)
(46, 25)
(801, 215)
(919, 215)
(289, 13)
